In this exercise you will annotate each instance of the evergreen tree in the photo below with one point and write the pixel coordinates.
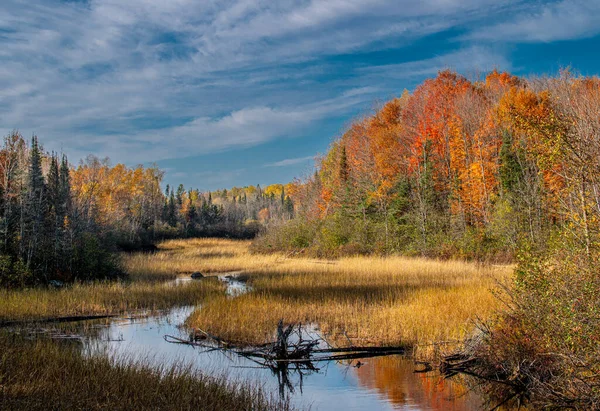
(179, 195)
(65, 201)
(53, 232)
(35, 212)
(172, 211)
(288, 207)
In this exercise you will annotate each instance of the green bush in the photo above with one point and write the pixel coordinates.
(93, 259)
(545, 347)
(13, 273)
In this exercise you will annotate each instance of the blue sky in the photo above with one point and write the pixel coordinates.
(238, 92)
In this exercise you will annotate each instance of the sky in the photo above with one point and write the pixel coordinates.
(238, 92)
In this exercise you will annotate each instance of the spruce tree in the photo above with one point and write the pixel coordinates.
(35, 211)
(53, 232)
(172, 211)
(64, 188)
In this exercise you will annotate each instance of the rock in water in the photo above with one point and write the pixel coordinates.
(197, 275)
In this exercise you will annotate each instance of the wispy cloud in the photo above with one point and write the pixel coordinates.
(145, 80)
(291, 161)
(563, 20)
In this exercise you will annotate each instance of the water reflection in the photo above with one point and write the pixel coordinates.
(393, 377)
(384, 383)
(236, 282)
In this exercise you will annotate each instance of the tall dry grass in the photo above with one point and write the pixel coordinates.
(100, 298)
(42, 375)
(370, 300)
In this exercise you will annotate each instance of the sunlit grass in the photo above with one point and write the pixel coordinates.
(43, 375)
(369, 300)
(100, 298)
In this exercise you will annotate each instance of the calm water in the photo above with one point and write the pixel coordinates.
(385, 383)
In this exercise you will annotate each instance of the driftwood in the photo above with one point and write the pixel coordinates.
(294, 351)
(290, 346)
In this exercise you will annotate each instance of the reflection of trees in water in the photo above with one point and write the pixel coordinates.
(394, 377)
(69, 335)
(291, 376)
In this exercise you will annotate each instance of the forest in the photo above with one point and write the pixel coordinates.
(61, 222)
(457, 168)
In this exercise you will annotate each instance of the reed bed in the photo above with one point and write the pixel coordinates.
(366, 300)
(42, 375)
(101, 298)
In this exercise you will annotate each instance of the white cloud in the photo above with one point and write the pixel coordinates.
(144, 80)
(290, 161)
(564, 20)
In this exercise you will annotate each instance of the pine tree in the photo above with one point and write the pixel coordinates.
(53, 185)
(288, 206)
(65, 203)
(53, 232)
(172, 211)
(191, 216)
(35, 211)
(64, 209)
(179, 195)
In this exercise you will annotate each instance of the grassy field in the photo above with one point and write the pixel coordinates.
(369, 300)
(42, 375)
(101, 298)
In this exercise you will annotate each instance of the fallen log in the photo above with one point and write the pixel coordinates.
(351, 356)
(287, 350)
(361, 349)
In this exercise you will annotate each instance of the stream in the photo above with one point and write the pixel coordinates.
(383, 383)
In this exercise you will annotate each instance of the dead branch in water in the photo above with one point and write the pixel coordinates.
(293, 344)
(295, 349)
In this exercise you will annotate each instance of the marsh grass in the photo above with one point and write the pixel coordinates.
(367, 300)
(42, 375)
(101, 298)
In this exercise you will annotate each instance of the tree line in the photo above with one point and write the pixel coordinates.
(457, 168)
(241, 212)
(60, 222)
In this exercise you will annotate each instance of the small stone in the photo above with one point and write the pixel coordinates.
(197, 275)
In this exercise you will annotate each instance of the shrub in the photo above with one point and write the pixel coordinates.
(545, 347)
(13, 273)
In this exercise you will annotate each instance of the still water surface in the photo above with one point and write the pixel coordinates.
(384, 383)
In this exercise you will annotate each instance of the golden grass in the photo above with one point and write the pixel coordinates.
(100, 298)
(178, 257)
(43, 375)
(373, 300)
